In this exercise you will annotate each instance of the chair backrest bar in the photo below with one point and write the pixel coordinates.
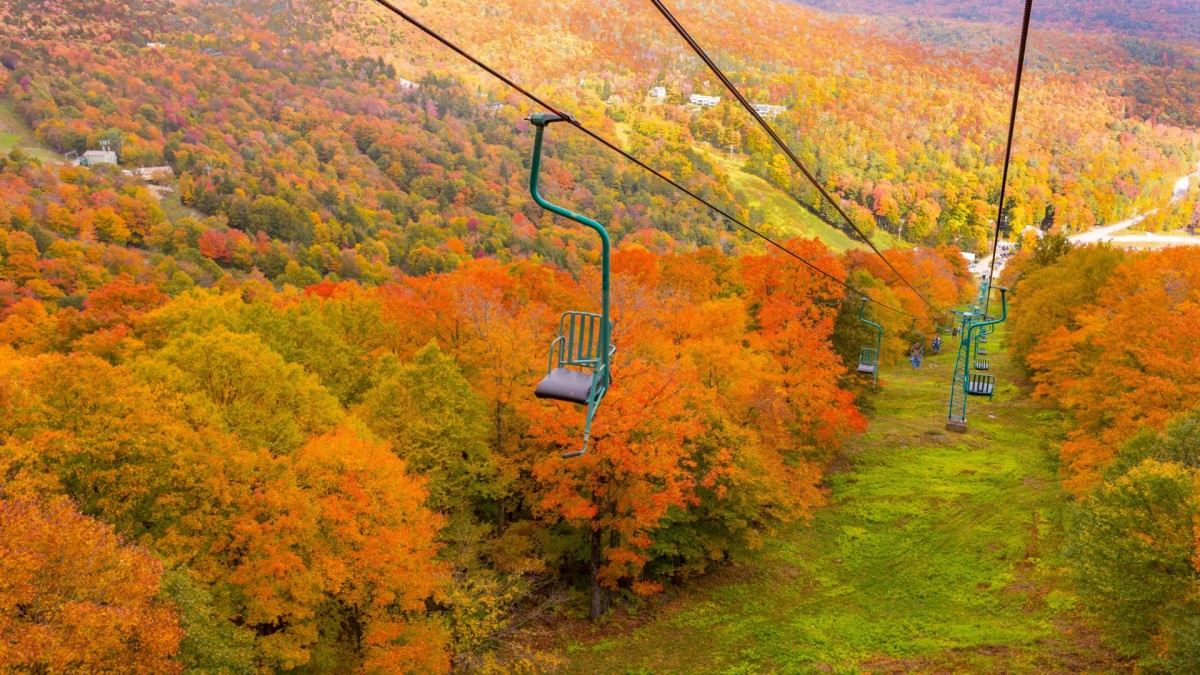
(581, 333)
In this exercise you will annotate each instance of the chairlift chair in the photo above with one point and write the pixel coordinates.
(579, 368)
(868, 358)
(913, 329)
(981, 385)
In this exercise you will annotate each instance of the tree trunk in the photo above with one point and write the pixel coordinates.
(599, 593)
(502, 516)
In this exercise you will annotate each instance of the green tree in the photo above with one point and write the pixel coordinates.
(110, 227)
(1134, 542)
(438, 425)
(265, 400)
(211, 642)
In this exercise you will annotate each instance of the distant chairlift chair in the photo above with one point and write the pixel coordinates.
(979, 384)
(868, 358)
(912, 330)
(980, 350)
(579, 369)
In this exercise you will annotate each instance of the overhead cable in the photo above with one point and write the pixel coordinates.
(778, 141)
(1012, 125)
(387, 4)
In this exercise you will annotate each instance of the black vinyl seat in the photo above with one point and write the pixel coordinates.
(579, 364)
(565, 384)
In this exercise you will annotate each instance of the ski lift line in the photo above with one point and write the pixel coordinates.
(387, 4)
(1012, 124)
(683, 32)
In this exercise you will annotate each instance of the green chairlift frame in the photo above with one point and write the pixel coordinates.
(945, 323)
(913, 329)
(579, 368)
(965, 383)
(868, 358)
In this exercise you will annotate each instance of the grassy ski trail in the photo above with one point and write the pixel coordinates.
(938, 552)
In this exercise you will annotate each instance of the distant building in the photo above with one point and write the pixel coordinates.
(704, 101)
(94, 157)
(658, 92)
(768, 110)
(155, 45)
(408, 84)
(495, 106)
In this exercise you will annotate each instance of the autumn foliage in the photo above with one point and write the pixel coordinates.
(74, 597)
(1106, 336)
(278, 408)
(359, 475)
(1112, 349)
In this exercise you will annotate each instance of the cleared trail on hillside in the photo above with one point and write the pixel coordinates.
(938, 552)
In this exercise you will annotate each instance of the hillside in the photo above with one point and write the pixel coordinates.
(297, 376)
(780, 211)
(270, 133)
(15, 133)
(1176, 20)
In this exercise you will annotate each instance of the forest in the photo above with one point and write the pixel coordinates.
(1098, 331)
(269, 408)
(339, 421)
(1175, 20)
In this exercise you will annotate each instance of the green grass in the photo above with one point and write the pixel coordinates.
(783, 216)
(175, 210)
(15, 133)
(938, 552)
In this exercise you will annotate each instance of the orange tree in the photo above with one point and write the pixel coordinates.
(74, 598)
(1129, 364)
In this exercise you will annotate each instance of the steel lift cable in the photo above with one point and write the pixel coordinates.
(778, 141)
(388, 5)
(1012, 124)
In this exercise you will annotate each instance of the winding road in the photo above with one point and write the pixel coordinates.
(1106, 233)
